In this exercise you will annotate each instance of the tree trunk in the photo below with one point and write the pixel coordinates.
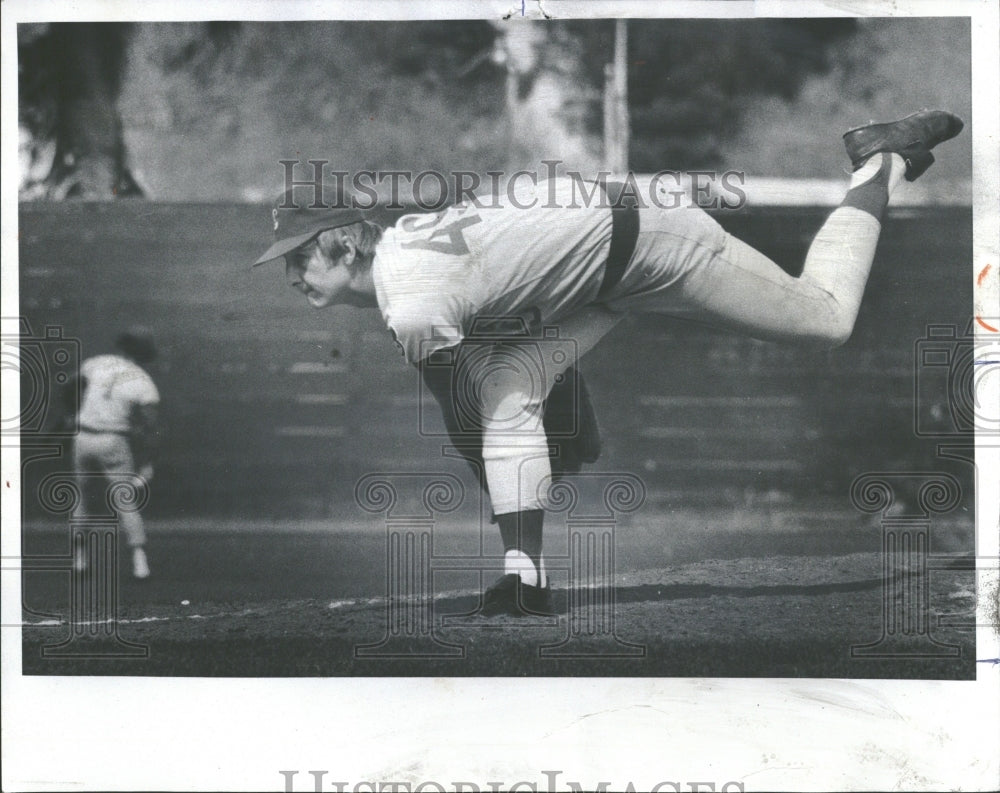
(81, 67)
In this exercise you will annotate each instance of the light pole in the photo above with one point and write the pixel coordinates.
(616, 123)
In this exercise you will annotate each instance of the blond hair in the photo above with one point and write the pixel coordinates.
(364, 234)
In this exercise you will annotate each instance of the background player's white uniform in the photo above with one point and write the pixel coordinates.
(114, 387)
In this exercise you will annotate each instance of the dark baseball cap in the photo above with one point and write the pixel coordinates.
(137, 343)
(302, 212)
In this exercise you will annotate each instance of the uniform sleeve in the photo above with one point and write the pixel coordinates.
(417, 338)
(149, 395)
(141, 390)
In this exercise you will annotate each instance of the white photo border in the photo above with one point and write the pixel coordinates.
(93, 733)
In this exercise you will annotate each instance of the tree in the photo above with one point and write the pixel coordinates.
(71, 85)
(690, 80)
(69, 77)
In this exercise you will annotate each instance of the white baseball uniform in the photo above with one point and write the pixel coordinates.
(435, 274)
(541, 255)
(114, 386)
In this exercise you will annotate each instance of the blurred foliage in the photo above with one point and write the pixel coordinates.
(691, 80)
(346, 92)
(890, 67)
(433, 54)
(206, 110)
(274, 90)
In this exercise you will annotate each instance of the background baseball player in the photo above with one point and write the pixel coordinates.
(118, 428)
(470, 291)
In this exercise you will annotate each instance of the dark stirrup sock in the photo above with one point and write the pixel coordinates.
(872, 196)
(522, 531)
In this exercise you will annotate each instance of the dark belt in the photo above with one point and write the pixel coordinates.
(624, 233)
(92, 431)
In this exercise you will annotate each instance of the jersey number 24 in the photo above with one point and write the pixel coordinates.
(447, 239)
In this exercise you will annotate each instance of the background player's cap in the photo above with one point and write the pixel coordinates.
(298, 217)
(137, 343)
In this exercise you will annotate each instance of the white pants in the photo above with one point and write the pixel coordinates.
(109, 454)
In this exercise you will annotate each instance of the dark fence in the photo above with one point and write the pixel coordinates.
(272, 409)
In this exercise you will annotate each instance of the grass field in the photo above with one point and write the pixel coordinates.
(691, 597)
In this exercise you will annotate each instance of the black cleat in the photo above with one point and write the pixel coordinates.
(912, 138)
(509, 596)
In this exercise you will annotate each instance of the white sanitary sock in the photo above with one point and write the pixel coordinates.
(520, 564)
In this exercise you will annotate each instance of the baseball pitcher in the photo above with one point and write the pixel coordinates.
(495, 304)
